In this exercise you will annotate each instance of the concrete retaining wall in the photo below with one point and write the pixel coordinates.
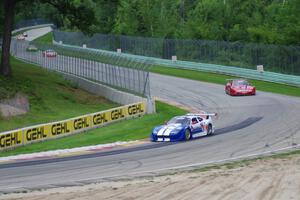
(112, 94)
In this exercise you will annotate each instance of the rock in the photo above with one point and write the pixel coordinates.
(18, 105)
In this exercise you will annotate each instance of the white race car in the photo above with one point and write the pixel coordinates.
(20, 37)
(184, 127)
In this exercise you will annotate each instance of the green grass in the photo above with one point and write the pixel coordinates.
(138, 128)
(51, 97)
(221, 79)
(45, 39)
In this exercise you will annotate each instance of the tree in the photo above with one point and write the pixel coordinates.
(79, 13)
(9, 7)
(1, 18)
(105, 13)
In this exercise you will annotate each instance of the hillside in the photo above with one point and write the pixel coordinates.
(51, 98)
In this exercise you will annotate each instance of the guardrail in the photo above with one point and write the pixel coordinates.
(42, 132)
(228, 70)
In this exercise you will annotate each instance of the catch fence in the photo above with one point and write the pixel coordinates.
(274, 58)
(112, 70)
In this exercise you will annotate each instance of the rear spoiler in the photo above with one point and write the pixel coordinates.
(203, 114)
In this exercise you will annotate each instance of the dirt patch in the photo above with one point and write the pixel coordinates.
(17, 105)
(261, 179)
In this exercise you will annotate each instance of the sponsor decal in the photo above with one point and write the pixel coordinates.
(100, 118)
(61, 128)
(36, 133)
(136, 109)
(117, 114)
(81, 123)
(10, 139)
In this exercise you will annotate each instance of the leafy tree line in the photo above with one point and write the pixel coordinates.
(259, 21)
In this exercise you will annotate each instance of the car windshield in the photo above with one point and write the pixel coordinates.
(237, 83)
(184, 121)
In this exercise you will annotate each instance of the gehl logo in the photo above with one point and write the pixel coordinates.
(100, 119)
(35, 134)
(81, 123)
(10, 139)
(60, 128)
(117, 114)
(134, 109)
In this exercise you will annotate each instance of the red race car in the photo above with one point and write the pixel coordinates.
(239, 87)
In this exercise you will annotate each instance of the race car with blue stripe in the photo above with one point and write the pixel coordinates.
(186, 127)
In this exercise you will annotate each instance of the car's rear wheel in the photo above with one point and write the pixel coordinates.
(209, 129)
(187, 134)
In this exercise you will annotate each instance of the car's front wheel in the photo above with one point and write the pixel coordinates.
(187, 134)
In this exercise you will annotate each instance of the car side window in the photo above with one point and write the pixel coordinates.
(194, 121)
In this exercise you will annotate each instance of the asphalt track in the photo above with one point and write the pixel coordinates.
(245, 126)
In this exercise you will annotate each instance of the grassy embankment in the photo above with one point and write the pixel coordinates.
(45, 39)
(51, 97)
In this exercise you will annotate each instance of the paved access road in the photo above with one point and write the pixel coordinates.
(245, 126)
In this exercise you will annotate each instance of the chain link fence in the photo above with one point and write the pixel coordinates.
(112, 70)
(274, 58)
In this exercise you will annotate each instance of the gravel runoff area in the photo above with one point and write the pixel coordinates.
(267, 178)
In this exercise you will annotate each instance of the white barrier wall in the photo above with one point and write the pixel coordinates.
(112, 94)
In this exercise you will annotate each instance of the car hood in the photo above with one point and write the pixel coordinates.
(167, 129)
